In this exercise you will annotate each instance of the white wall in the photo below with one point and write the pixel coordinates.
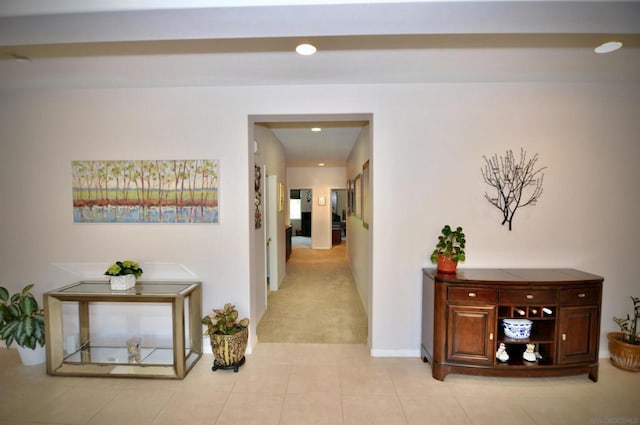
(428, 155)
(42, 132)
(320, 180)
(271, 154)
(359, 237)
(428, 142)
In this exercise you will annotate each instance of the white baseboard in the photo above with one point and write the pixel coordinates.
(395, 353)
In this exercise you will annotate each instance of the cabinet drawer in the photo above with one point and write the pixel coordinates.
(473, 294)
(580, 296)
(525, 296)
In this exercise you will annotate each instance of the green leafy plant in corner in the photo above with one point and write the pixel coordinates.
(224, 322)
(629, 325)
(450, 244)
(21, 319)
(121, 268)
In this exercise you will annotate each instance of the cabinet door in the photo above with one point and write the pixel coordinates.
(578, 328)
(470, 334)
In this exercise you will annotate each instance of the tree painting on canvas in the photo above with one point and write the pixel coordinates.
(145, 191)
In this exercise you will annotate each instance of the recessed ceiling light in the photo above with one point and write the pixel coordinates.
(306, 49)
(316, 129)
(320, 164)
(608, 47)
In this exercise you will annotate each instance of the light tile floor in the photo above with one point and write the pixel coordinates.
(309, 384)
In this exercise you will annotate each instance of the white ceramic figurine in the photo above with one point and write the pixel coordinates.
(502, 354)
(529, 355)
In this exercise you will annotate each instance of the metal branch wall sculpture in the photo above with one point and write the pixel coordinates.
(517, 184)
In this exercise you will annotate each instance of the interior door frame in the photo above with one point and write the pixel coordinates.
(365, 257)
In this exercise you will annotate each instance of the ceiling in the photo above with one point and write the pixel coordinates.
(197, 43)
(306, 148)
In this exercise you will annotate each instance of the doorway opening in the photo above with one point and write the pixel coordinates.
(338, 216)
(300, 211)
(319, 186)
(300, 216)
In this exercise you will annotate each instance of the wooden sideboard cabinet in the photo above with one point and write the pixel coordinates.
(462, 326)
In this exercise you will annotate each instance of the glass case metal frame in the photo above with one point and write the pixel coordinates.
(174, 362)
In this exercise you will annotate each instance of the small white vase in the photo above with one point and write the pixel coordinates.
(31, 357)
(122, 283)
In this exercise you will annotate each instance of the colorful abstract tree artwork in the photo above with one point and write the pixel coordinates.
(145, 191)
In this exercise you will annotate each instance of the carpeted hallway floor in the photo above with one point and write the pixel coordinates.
(317, 301)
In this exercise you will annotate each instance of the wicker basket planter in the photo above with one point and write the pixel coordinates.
(623, 355)
(229, 350)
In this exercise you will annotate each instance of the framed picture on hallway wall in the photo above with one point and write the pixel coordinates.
(365, 195)
(280, 197)
(257, 184)
(357, 196)
(349, 197)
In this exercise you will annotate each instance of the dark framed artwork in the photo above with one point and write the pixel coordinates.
(257, 184)
(357, 196)
(366, 214)
(349, 197)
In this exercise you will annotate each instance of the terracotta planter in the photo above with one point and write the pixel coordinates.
(623, 355)
(228, 350)
(446, 264)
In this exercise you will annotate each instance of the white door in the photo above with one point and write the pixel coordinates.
(271, 222)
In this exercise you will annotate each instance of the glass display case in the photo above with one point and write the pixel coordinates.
(127, 358)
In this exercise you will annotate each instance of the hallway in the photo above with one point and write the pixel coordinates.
(317, 301)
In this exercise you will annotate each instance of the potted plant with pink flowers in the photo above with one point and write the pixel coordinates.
(228, 335)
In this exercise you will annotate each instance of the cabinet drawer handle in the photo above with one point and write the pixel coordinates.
(582, 295)
(472, 294)
(529, 296)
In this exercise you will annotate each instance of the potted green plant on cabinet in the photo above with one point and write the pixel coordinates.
(22, 321)
(449, 249)
(624, 346)
(228, 337)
